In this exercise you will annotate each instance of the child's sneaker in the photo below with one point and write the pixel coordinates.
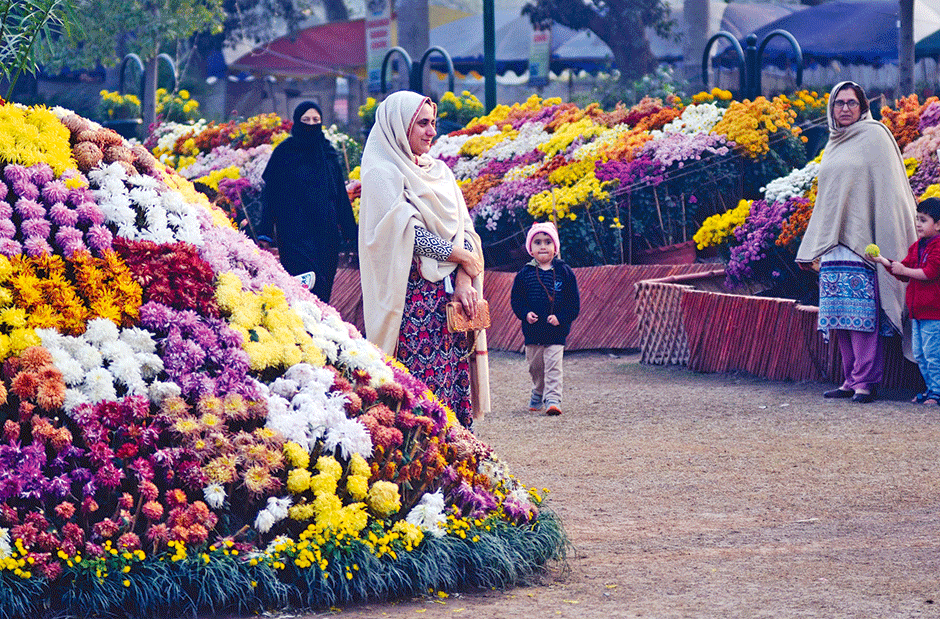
(535, 402)
(553, 409)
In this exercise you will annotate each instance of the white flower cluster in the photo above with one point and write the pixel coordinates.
(794, 184)
(123, 199)
(301, 408)
(170, 132)
(448, 145)
(528, 138)
(428, 514)
(591, 150)
(274, 512)
(698, 118)
(215, 495)
(106, 359)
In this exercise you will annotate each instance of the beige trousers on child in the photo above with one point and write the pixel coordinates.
(545, 367)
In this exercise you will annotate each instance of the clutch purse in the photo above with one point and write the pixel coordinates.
(459, 322)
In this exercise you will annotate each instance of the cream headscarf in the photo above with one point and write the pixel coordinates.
(863, 197)
(400, 190)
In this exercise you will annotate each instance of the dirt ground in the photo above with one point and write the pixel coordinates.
(690, 495)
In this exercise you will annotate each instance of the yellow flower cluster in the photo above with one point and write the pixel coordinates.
(383, 498)
(808, 103)
(570, 174)
(115, 105)
(567, 134)
(719, 227)
(558, 203)
(479, 144)
(460, 109)
(368, 107)
(212, 178)
(910, 166)
(30, 135)
(51, 292)
(272, 332)
(501, 112)
(750, 124)
(715, 94)
(932, 191)
(176, 107)
(18, 560)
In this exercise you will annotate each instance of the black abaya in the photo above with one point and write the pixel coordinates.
(306, 206)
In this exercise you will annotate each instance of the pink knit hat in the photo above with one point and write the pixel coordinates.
(548, 228)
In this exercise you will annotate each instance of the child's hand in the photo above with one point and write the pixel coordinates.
(552, 320)
(532, 317)
(896, 268)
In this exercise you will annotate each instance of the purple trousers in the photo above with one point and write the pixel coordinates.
(863, 356)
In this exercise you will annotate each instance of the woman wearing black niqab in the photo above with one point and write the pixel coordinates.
(306, 207)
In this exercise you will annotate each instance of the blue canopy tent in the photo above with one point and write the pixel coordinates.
(850, 32)
(578, 50)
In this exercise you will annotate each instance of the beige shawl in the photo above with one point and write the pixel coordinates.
(400, 190)
(864, 197)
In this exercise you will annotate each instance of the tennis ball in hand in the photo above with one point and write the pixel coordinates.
(872, 251)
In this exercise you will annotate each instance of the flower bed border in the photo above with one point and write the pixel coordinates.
(767, 337)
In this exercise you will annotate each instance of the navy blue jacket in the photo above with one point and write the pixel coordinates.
(528, 295)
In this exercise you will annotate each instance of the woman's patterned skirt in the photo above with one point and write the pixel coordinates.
(431, 353)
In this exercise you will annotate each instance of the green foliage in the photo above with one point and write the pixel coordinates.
(27, 29)
(138, 26)
(609, 90)
(495, 554)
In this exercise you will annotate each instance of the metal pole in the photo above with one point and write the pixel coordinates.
(489, 54)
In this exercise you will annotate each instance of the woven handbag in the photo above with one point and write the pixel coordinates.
(458, 322)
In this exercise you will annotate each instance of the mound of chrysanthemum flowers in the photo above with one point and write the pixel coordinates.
(186, 429)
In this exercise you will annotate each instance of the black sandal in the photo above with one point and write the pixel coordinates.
(920, 398)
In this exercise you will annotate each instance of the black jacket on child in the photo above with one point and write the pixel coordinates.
(532, 291)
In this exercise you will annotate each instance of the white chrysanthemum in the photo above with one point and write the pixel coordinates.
(215, 495)
(5, 547)
(264, 521)
(794, 184)
(127, 372)
(150, 365)
(275, 511)
(72, 371)
(349, 436)
(100, 331)
(300, 373)
(140, 340)
(99, 385)
(448, 146)
(86, 354)
(73, 399)
(428, 514)
(160, 391)
(285, 387)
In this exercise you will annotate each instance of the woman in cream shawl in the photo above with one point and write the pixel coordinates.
(864, 197)
(417, 251)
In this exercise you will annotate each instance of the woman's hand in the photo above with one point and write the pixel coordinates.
(470, 262)
(466, 294)
(532, 317)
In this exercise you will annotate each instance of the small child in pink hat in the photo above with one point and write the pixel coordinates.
(545, 298)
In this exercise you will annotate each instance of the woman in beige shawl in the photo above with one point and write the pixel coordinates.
(864, 197)
(417, 251)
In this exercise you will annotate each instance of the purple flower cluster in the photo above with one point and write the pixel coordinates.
(927, 174)
(758, 233)
(930, 116)
(203, 355)
(45, 209)
(543, 116)
(499, 168)
(643, 168)
(509, 198)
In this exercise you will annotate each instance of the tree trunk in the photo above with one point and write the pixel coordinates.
(335, 10)
(632, 54)
(906, 48)
(149, 102)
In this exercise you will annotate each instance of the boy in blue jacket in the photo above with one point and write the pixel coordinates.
(545, 298)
